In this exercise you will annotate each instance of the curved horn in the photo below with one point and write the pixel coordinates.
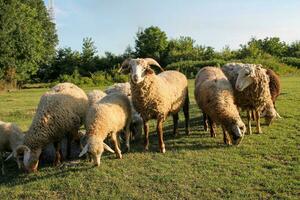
(151, 61)
(124, 65)
(10, 155)
(84, 150)
(106, 147)
(277, 115)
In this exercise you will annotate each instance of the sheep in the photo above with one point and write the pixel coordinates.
(157, 96)
(251, 89)
(275, 87)
(108, 116)
(11, 137)
(60, 113)
(136, 125)
(94, 96)
(214, 96)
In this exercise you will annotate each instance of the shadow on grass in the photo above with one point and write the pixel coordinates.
(15, 177)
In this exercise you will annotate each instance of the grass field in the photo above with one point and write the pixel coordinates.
(264, 166)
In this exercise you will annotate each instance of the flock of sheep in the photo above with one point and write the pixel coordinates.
(126, 108)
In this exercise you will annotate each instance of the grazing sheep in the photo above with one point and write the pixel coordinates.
(60, 114)
(107, 117)
(136, 126)
(251, 89)
(11, 137)
(214, 96)
(275, 87)
(157, 96)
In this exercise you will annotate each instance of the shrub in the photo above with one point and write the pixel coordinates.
(190, 68)
(291, 61)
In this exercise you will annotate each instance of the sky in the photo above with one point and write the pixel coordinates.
(113, 24)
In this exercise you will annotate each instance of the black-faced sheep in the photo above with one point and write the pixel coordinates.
(60, 114)
(157, 96)
(214, 96)
(251, 89)
(11, 137)
(107, 117)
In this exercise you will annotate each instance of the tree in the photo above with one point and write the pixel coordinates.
(151, 42)
(293, 50)
(28, 39)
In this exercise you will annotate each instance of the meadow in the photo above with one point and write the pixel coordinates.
(264, 166)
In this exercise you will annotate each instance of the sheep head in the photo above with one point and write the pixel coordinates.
(245, 77)
(139, 68)
(95, 147)
(237, 132)
(30, 158)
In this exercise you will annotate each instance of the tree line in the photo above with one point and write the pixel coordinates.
(28, 50)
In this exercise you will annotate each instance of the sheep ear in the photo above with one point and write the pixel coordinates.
(10, 155)
(21, 149)
(151, 61)
(84, 150)
(149, 70)
(124, 66)
(107, 148)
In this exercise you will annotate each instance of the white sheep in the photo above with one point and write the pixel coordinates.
(60, 114)
(251, 89)
(94, 96)
(214, 96)
(107, 117)
(11, 137)
(136, 125)
(157, 96)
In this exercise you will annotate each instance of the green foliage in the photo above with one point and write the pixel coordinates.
(190, 68)
(291, 61)
(151, 42)
(27, 36)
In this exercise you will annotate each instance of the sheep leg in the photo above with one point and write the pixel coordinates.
(249, 122)
(2, 164)
(253, 115)
(175, 124)
(58, 154)
(226, 138)
(69, 142)
(116, 141)
(187, 114)
(212, 127)
(159, 130)
(257, 119)
(146, 131)
(205, 122)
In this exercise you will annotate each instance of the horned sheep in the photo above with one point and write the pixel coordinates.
(60, 114)
(11, 137)
(251, 89)
(214, 96)
(102, 121)
(157, 96)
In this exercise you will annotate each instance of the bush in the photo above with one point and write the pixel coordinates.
(190, 68)
(291, 61)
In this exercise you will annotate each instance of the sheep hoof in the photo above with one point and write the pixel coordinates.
(163, 150)
(187, 132)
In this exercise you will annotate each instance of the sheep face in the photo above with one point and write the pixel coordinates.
(30, 158)
(270, 114)
(237, 132)
(245, 78)
(95, 149)
(139, 69)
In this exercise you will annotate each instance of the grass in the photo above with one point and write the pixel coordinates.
(264, 166)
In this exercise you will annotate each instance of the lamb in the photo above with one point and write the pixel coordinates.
(11, 137)
(157, 96)
(136, 126)
(60, 114)
(108, 116)
(251, 89)
(214, 96)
